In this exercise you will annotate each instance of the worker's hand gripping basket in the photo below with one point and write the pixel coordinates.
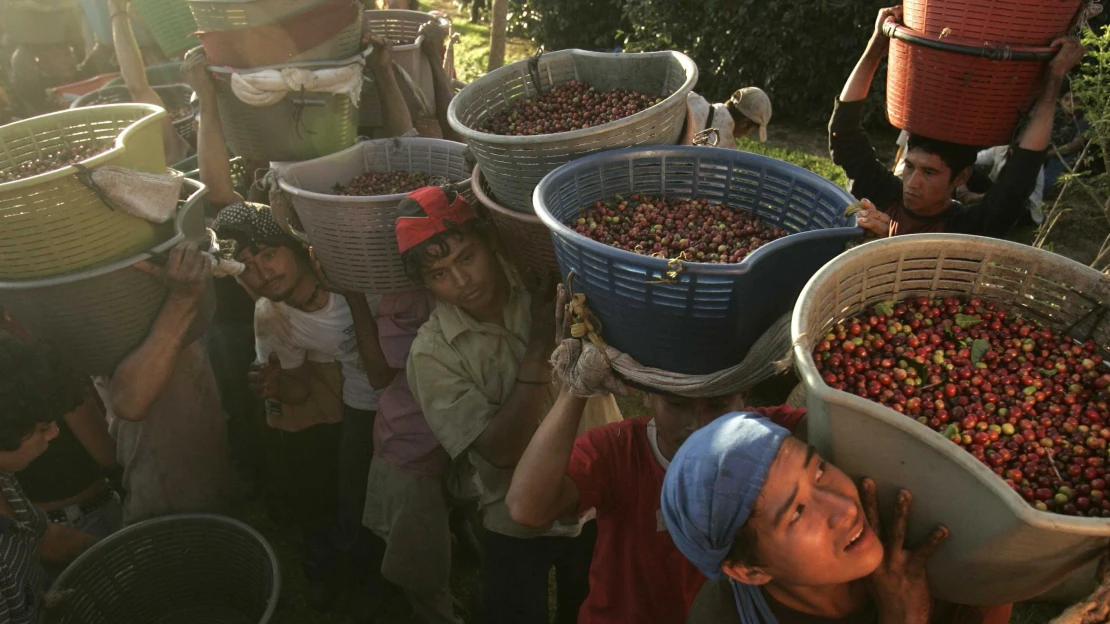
(100, 314)
(691, 317)
(267, 117)
(1001, 550)
(514, 165)
(402, 28)
(354, 236)
(172, 570)
(50, 222)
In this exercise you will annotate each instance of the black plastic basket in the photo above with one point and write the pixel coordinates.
(187, 569)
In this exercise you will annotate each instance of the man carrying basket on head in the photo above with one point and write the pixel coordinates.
(921, 200)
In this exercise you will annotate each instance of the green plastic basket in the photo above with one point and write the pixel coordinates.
(239, 178)
(171, 22)
(52, 224)
(302, 126)
(214, 15)
(176, 97)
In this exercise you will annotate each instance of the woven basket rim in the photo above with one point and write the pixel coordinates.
(371, 145)
(495, 76)
(487, 201)
(971, 44)
(191, 204)
(125, 534)
(180, 86)
(404, 47)
(155, 114)
(749, 263)
(817, 388)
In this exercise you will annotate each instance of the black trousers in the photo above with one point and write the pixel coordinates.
(515, 574)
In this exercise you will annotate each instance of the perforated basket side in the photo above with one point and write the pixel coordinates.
(527, 238)
(1018, 22)
(176, 569)
(354, 237)
(399, 26)
(236, 14)
(708, 318)
(171, 23)
(515, 165)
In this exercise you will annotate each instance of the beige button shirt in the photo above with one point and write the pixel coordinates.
(462, 371)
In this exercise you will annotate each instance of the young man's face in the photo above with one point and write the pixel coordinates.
(272, 272)
(468, 276)
(928, 183)
(31, 447)
(677, 418)
(743, 127)
(810, 525)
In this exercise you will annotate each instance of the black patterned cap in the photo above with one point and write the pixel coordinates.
(250, 225)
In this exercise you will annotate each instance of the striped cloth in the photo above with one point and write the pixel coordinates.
(21, 573)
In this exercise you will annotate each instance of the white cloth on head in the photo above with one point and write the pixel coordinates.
(700, 111)
(326, 335)
(269, 86)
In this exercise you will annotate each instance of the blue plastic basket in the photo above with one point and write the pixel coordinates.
(709, 318)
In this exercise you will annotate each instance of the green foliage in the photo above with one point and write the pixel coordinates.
(799, 52)
(561, 24)
(1091, 87)
(823, 167)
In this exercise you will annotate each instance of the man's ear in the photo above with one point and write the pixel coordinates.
(748, 575)
(962, 178)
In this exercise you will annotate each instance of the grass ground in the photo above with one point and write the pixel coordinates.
(1077, 236)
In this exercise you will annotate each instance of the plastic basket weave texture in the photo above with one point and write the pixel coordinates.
(332, 30)
(354, 237)
(526, 237)
(101, 314)
(172, 570)
(1001, 550)
(958, 98)
(515, 165)
(51, 224)
(300, 127)
(174, 96)
(1014, 22)
(212, 15)
(708, 318)
(171, 22)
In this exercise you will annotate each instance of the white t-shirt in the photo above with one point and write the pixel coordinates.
(326, 335)
(700, 109)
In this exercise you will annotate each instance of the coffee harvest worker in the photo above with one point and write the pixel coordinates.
(36, 389)
(637, 574)
(479, 370)
(787, 538)
(921, 200)
(748, 110)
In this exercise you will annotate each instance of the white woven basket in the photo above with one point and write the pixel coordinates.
(515, 165)
(1001, 550)
(354, 237)
(403, 29)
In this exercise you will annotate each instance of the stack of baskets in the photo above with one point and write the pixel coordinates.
(402, 28)
(65, 255)
(965, 71)
(1001, 549)
(176, 97)
(705, 317)
(253, 41)
(354, 237)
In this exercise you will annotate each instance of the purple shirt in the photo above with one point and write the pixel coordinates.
(401, 434)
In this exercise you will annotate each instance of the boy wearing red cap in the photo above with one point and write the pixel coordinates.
(479, 370)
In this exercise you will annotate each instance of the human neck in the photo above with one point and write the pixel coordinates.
(9, 464)
(827, 601)
(302, 296)
(933, 210)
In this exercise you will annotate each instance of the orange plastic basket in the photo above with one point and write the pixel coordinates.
(948, 90)
(1014, 22)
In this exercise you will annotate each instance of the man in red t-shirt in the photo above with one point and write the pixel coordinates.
(637, 574)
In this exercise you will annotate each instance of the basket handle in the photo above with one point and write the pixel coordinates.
(897, 31)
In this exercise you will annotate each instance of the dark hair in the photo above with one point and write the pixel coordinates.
(439, 246)
(743, 547)
(957, 157)
(36, 386)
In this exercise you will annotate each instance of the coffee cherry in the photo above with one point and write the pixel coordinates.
(51, 160)
(570, 106)
(384, 183)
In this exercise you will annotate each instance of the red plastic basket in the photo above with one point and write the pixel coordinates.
(1015, 22)
(955, 96)
(528, 240)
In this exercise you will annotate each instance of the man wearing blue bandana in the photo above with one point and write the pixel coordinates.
(787, 538)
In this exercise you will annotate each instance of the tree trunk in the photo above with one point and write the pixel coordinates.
(499, 15)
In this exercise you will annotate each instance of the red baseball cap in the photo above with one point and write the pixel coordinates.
(442, 215)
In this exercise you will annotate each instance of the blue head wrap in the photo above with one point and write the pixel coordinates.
(709, 491)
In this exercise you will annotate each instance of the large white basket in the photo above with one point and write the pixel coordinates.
(515, 165)
(1001, 550)
(354, 237)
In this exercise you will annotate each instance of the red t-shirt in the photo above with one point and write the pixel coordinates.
(637, 574)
